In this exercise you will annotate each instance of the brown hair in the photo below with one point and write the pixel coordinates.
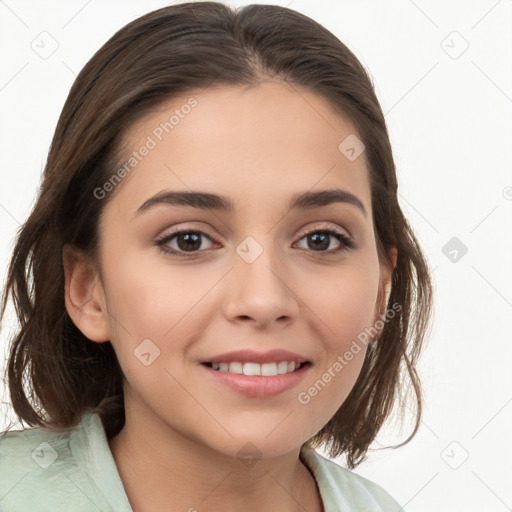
(163, 54)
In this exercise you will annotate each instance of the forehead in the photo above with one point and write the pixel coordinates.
(254, 144)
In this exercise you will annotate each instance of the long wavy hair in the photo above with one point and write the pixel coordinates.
(54, 373)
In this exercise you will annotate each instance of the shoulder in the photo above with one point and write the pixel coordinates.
(39, 471)
(342, 489)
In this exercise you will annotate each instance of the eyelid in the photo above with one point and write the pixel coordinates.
(326, 226)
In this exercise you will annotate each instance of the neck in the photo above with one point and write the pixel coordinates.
(160, 467)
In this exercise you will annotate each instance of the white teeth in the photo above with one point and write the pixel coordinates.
(252, 369)
(236, 368)
(269, 369)
(265, 370)
(282, 367)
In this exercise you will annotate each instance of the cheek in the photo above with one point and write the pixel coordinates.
(344, 300)
(342, 309)
(149, 299)
(157, 311)
(152, 294)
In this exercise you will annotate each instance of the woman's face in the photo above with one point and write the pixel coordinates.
(268, 274)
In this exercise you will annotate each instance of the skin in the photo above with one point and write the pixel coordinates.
(183, 430)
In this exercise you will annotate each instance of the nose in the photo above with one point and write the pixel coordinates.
(261, 291)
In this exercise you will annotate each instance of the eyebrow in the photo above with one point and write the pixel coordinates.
(209, 201)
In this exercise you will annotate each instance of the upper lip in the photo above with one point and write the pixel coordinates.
(251, 356)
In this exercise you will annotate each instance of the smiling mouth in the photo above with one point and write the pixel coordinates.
(256, 369)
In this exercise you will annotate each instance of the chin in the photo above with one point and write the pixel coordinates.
(261, 445)
(249, 451)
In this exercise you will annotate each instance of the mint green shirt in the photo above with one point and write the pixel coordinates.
(75, 471)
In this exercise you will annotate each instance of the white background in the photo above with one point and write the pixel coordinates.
(450, 123)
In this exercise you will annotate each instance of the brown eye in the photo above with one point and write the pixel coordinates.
(186, 242)
(320, 240)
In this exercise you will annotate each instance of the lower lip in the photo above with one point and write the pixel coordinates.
(256, 385)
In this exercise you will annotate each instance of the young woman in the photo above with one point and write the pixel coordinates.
(216, 277)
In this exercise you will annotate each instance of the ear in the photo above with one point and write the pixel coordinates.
(84, 294)
(386, 275)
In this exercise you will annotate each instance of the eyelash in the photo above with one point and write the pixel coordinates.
(346, 241)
